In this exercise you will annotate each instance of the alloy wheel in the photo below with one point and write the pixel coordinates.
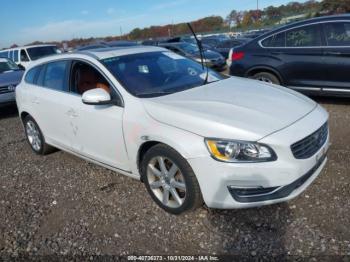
(33, 135)
(166, 181)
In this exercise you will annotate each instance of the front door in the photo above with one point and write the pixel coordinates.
(98, 129)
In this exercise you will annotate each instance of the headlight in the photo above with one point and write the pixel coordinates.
(204, 60)
(239, 151)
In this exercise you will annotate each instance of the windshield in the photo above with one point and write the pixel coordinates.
(8, 65)
(41, 51)
(157, 73)
(189, 48)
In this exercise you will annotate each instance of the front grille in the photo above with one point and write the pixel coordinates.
(5, 89)
(308, 146)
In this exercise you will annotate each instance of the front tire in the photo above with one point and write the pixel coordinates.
(35, 137)
(170, 180)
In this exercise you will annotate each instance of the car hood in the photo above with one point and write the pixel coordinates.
(11, 78)
(235, 108)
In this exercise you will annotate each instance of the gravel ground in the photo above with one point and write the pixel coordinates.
(61, 205)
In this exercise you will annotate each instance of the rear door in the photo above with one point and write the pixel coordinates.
(337, 56)
(51, 101)
(298, 54)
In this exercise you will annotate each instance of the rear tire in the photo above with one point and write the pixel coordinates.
(35, 137)
(266, 77)
(170, 180)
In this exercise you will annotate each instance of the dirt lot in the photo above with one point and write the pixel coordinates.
(59, 204)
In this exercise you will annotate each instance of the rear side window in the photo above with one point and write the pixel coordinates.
(304, 36)
(277, 40)
(55, 76)
(337, 34)
(32, 75)
(15, 54)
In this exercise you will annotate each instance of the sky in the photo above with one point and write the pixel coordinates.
(26, 21)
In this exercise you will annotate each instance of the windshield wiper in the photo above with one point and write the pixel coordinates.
(153, 94)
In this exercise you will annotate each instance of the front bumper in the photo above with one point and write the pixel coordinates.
(7, 99)
(227, 185)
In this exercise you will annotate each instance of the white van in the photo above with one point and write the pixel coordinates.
(24, 55)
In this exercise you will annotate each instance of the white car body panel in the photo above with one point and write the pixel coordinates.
(236, 108)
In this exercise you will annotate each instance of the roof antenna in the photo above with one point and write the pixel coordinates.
(201, 51)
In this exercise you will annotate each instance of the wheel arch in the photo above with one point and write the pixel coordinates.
(258, 69)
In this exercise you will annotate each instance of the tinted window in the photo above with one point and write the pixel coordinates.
(41, 51)
(31, 76)
(15, 54)
(304, 36)
(55, 76)
(337, 34)
(24, 56)
(4, 54)
(277, 40)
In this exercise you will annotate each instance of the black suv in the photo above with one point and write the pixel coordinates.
(312, 56)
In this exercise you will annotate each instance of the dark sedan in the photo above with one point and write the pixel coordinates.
(223, 47)
(211, 58)
(10, 76)
(311, 56)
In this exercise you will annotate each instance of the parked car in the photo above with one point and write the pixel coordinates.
(10, 76)
(25, 55)
(90, 46)
(149, 114)
(121, 43)
(310, 56)
(211, 58)
(224, 47)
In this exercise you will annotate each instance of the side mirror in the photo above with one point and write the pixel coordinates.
(97, 96)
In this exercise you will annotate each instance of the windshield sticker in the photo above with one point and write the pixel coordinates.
(143, 69)
(173, 55)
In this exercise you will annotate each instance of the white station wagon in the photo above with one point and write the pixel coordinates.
(190, 137)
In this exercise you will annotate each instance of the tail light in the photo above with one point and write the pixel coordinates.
(236, 56)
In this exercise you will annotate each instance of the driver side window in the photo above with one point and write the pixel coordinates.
(24, 56)
(84, 77)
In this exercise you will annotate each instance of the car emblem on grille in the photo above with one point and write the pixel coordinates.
(11, 88)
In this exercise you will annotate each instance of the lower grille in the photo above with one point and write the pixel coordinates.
(308, 146)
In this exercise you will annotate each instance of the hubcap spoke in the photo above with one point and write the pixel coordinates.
(176, 196)
(156, 184)
(165, 196)
(162, 165)
(154, 170)
(179, 185)
(173, 170)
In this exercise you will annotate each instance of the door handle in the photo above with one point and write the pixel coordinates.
(71, 113)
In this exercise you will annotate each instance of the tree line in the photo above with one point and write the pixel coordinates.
(235, 21)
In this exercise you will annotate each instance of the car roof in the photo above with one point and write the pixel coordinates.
(100, 53)
(27, 46)
(304, 22)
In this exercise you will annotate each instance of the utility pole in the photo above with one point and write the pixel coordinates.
(257, 4)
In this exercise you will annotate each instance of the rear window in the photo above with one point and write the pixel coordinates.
(304, 36)
(337, 34)
(41, 51)
(276, 40)
(32, 75)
